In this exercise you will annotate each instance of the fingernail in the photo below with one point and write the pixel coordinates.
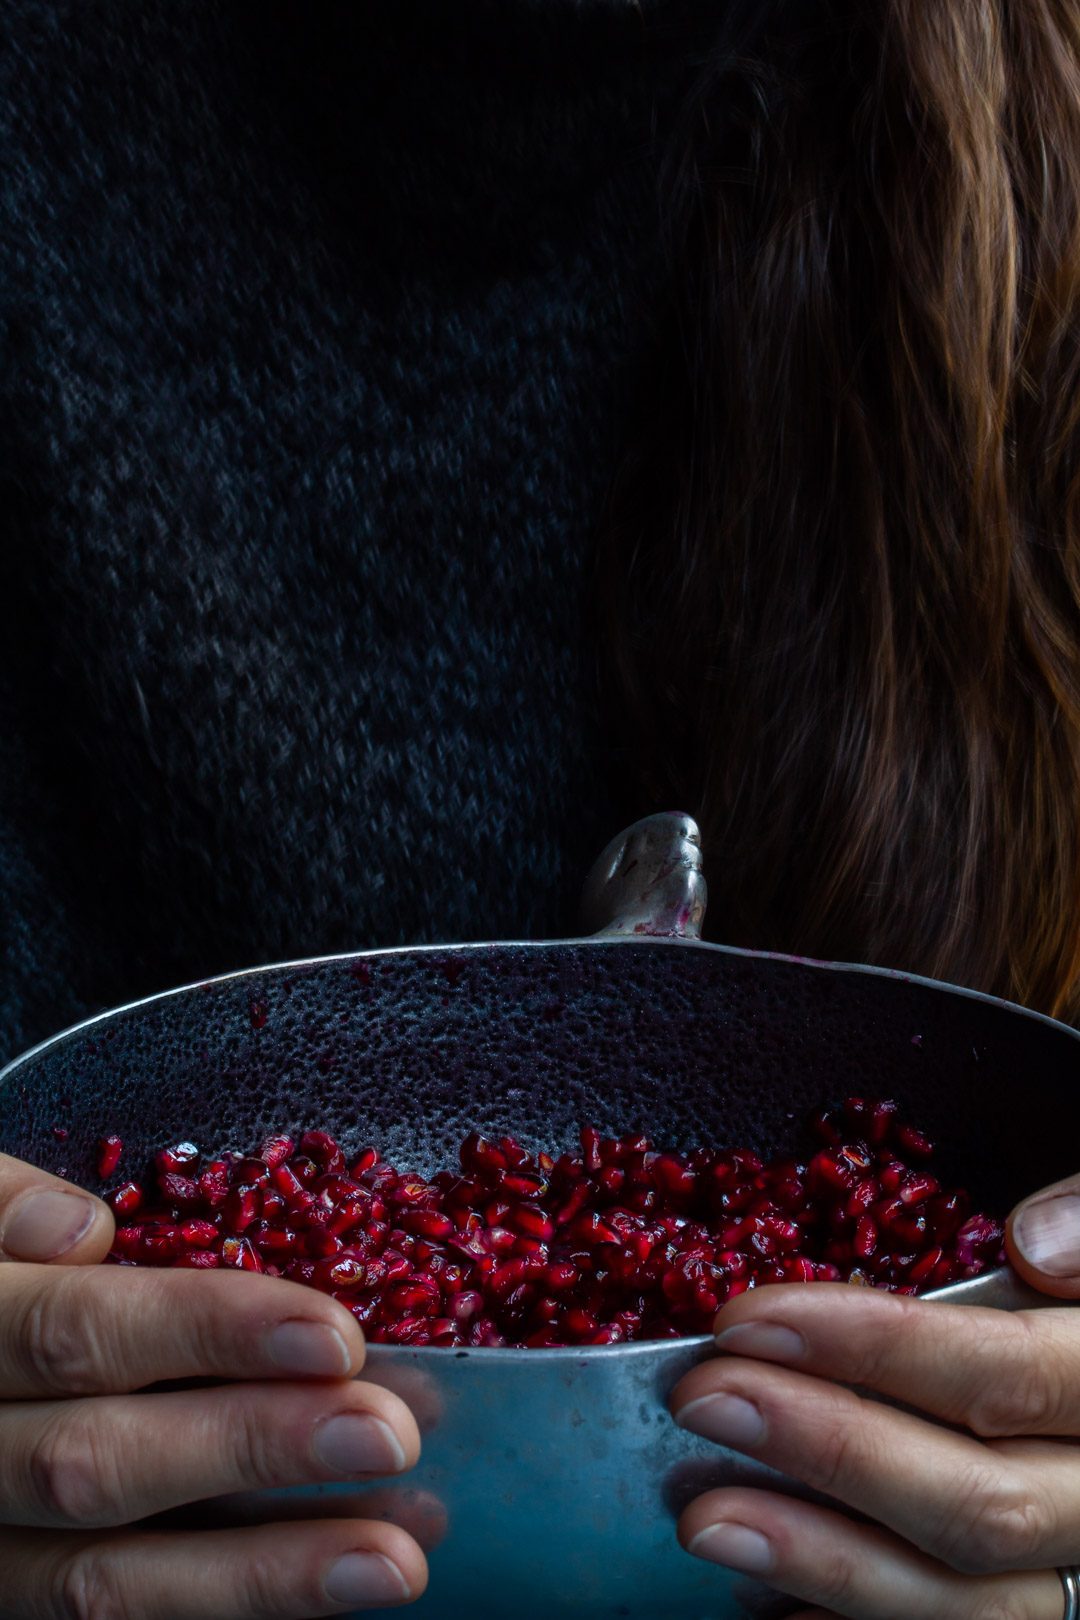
(1047, 1234)
(47, 1224)
(356, 1443)
(735, 1545)
(766, 1339)
(313, 1349)
(367, 1578)
(727, 1419)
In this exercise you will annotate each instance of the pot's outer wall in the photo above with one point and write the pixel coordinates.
(556, 1475)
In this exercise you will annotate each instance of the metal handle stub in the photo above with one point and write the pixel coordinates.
(649, 880)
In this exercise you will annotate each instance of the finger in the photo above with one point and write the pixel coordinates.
(275, 1572)
(112, 1459)
(75, 1331)
(979, 1507)
(854, 1570)
(420, 1513)
(995, 1372)
(1043, 1239)
(44, 1218)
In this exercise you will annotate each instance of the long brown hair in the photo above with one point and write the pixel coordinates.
(842, 573)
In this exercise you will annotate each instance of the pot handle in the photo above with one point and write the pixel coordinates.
(649, 880)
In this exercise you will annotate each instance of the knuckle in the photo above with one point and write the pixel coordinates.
(994, 1529)
(1021, 1391)
(995, 1606)
(257, 1446)
(89, 1587)
(838, 1454)
(835, 1583)
(265, 1593)
(58, 1344)
(74, 1473)
(1012, 1409)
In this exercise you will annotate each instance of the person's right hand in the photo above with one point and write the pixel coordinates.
(83, 1458)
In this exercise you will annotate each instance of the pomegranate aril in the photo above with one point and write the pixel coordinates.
(238, 1252)
(590, 1149)
(408, 1330)
(499, 1239)
(591, 1228)
(126, 1240)
(277, 1240)
(484, 1333)
(514, 1185)
(925, 1266)
(866, 1238)
(198, 1234)
(573, 1205)
(178, 1159)
(913, 1142)
(409, 1192)
(162, 1243)
(784, 1234)
(177, 1189)
(478, 1155)
(374, 1274)
(214, 1183)
(125, 1200)
(428, 1223)
(339, 1271)
(531, 1221)
(869, 1120)
(579, 1323)
(610, 1333)
(673, 1178)
(241, 1208)
(798, 1270)
(287, 1182)
(301, 1271)
(831, 1171)
(915, 1189)
(109, 1150)
(505, 1278)
(561, 1275)
(321, 1147)
(275, 1150)
(826, 1126)
(862, 1196)
(248, 1173)
(515, 1155)
(321, 1243)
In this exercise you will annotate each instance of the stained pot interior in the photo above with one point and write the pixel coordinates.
(410, 1050)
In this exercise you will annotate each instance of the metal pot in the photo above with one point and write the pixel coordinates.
(551, 1478)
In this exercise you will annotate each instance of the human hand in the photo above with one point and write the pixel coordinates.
(82, 1458)
(969, 1522)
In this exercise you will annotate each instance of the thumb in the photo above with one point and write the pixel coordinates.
(44, 1218)
(1043, 1238)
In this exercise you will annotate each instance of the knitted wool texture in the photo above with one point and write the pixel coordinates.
(316, 324)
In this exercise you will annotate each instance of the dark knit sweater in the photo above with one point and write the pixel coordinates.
(317, 322)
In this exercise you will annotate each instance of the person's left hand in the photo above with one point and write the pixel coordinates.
(969, 1522)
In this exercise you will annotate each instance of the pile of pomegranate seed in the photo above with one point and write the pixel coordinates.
(613, 1243)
